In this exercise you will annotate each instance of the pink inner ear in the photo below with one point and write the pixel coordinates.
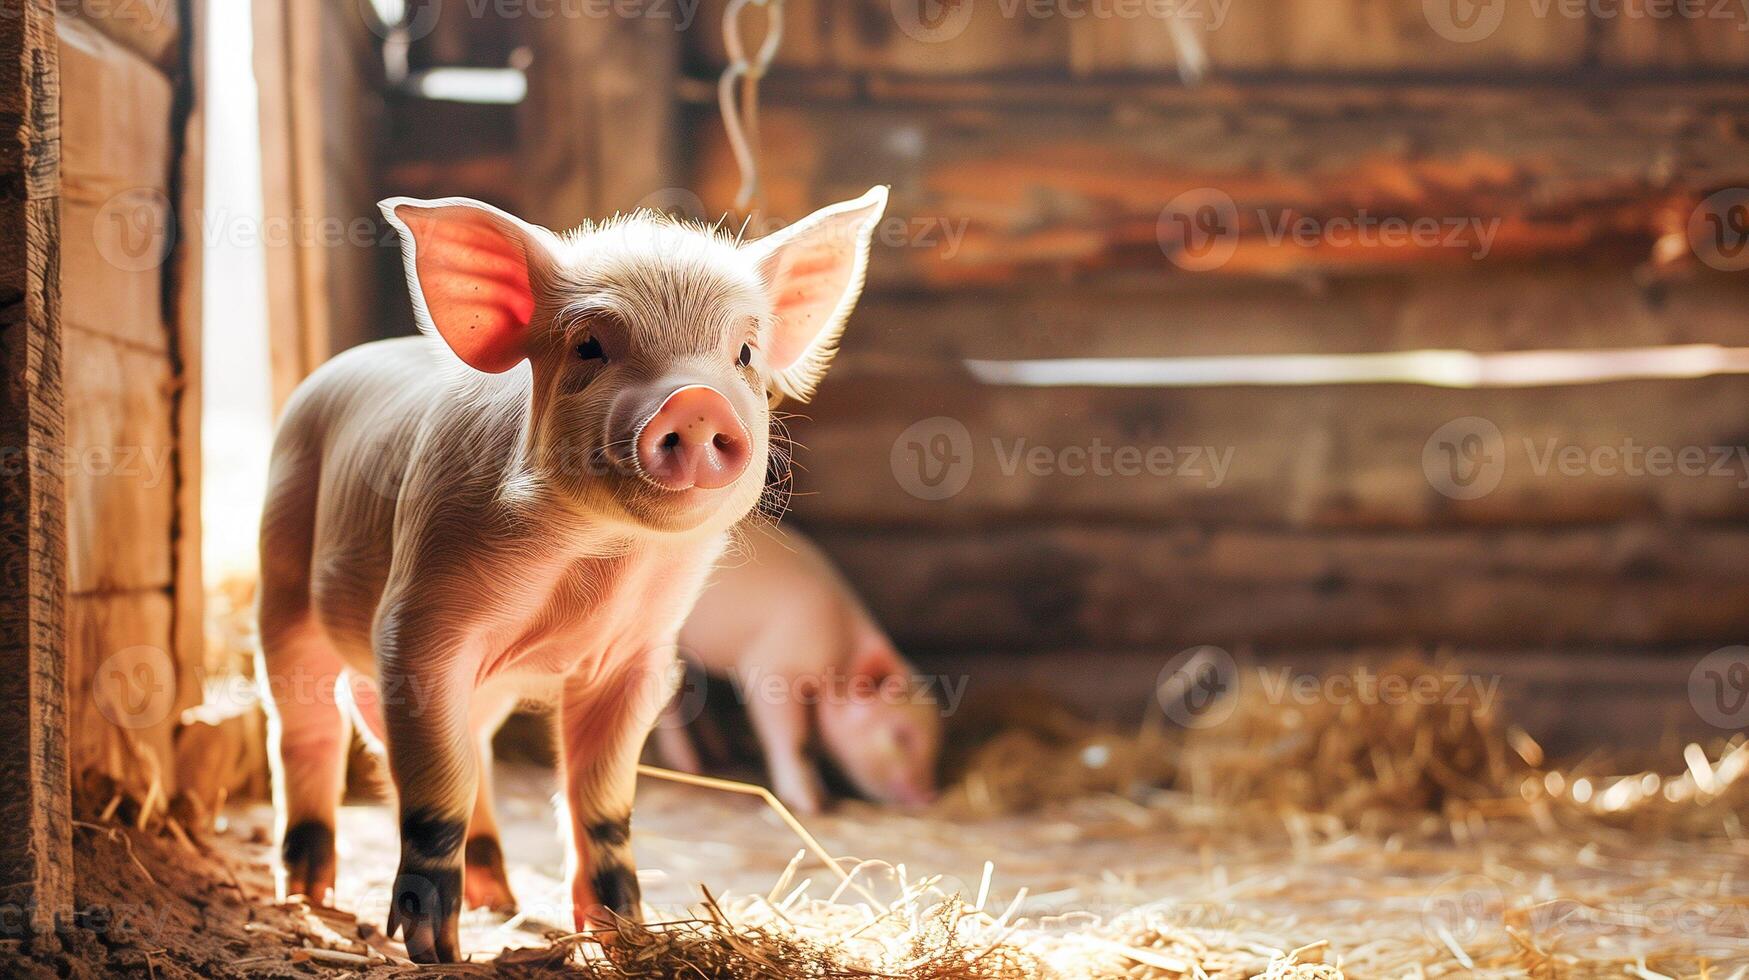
(474, 278)
(810, 283)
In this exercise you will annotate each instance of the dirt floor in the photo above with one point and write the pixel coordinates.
(1313, 844)
(1112, 887)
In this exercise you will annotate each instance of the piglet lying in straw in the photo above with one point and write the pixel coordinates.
(523, 503)
(807, 659)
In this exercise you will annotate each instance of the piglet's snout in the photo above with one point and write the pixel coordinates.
(695, 439)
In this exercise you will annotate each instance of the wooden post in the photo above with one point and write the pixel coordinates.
(182, 291)
(596, 133)
(36, 848)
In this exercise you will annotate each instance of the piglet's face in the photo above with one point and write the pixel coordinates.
(653, 345)
(883, 730)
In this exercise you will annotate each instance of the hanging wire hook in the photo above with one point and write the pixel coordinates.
(742, 124)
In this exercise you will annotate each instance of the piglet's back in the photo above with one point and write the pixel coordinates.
(774, 596)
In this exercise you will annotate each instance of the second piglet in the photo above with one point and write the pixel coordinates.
(814, 670)
(523, 503)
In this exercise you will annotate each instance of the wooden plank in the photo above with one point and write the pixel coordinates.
(123, 687)
(1682, 37)
(609, 81)
(188, 634)
(1094, 37)
(1348, 36)
(116, 121)
(1547, 307)
(151, 29)
(1076, 181)
(36, 851)
(1054, 586)
(290, 358)
(1337, 456)
(120, 465)
(321, 120)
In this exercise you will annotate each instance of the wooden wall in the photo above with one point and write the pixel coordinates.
(319, 69)
(1031, 159)
(1054, 145)
(130, 287)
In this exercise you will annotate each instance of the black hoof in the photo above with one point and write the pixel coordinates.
(485, 884)
(308, 855)
(426, 907)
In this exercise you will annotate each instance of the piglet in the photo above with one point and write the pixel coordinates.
(807, 659)
(523, 503)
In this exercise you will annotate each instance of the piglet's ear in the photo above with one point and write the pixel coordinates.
(878, 661)
(813, 273)
(470, 270)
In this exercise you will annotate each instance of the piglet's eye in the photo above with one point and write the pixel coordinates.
(746, 357)
(590, 350)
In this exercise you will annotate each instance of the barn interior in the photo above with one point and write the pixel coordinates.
(1302, 441)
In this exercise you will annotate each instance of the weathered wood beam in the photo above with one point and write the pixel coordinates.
(185, 281)
(1331, 456)
(36, 853)
(1063, 180)
(1166, 588)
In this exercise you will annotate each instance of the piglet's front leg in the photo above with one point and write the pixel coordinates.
(604, 723)
(425, 695)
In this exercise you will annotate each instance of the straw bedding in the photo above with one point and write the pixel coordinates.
(1311, 839)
